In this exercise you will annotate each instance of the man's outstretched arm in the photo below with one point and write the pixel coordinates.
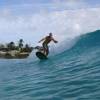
(42, 40)
(55, 41)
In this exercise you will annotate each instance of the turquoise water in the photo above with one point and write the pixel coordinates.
(71, 75)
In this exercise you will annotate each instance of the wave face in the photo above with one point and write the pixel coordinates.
(71, 75)
(89, 40)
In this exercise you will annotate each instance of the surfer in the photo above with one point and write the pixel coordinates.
(46, 41)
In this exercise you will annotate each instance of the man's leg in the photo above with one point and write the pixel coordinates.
(47, 50)
(44, 47)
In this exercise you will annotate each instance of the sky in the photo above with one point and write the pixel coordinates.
(68, 3)
(33, 19)
(13, 2)
(26, 7)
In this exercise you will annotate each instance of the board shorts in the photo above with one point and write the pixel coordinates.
(45, 46)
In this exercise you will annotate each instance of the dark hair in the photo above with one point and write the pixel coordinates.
(50, 34)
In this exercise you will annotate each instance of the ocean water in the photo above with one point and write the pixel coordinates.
(73, 74)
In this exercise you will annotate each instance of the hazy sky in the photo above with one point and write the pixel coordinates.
(33, 19)
(49, 5)
(14, 2)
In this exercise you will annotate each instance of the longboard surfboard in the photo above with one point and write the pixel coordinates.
(41, 55)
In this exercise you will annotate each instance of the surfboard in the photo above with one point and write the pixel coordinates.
(41, 55)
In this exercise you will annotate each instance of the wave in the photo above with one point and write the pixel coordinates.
(89, 42)
(91, 39)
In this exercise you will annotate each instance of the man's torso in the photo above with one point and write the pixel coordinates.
(47, 40)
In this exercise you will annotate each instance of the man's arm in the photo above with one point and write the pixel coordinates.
(55, 41)
(42, 40)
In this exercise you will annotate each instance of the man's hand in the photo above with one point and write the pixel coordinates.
(56, 41)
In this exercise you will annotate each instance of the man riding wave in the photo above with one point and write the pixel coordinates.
(46, 41)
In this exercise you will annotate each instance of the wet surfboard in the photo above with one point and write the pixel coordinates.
(41, 55)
